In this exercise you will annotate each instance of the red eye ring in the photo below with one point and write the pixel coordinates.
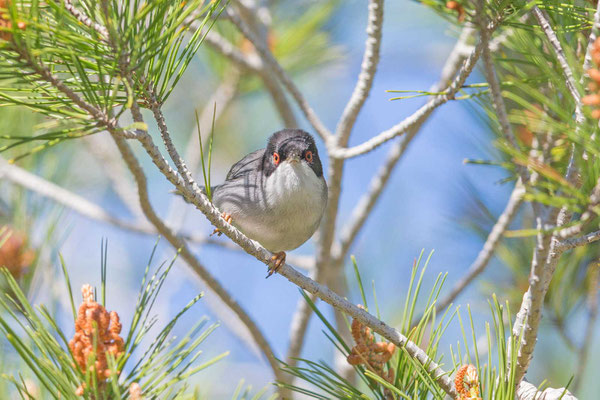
(275, 158)
(308, 156)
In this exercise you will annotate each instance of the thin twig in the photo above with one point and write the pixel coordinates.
(527, 320)
(221, 98)
(84, 19)
(590, 327)
(366, 75)
(258, 20)
(155, 107)
(115, 170)
(67, 198)
(268, 58)
(485, 254)
(218, 43)
(492, 78)
(579, 241)
(86, 208)
(280, 101)
(365, 205)
(324, 269)
(367, 202)
(527, 391)
(418, 117)
(544, 22)
(191, 260)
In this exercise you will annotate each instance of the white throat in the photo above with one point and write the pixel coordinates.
(293, 183)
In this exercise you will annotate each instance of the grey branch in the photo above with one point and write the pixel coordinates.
(268, 58)
(324, 269)
(84, 19)
(527, 391)
(86, 208)
(253, 248)
(544, 22)
(485, 254)
(220, 98)
(251, 62)
(190, 259)
(258, 20)
(67, 198)
(115, 170)
(222, 46)
(579, 241)
(366, 75)
(391, 334)
(492, 78)
(527, 320)
(418, 117)
(365, 205)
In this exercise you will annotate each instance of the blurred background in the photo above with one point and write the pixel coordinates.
(434, 201)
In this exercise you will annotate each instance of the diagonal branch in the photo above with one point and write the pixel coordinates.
(492, 78)
(190, 259)
(579, 241)
(485, 254)
(268, 58)
(544, 22)
(367, 73)
(115, 171)
(418, 117)
(68, 199)
(325, 271)
(84, 19)
(215, 106)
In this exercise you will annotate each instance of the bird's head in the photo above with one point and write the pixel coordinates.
(293, 146)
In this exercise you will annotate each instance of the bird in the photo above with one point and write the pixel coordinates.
(276, 195)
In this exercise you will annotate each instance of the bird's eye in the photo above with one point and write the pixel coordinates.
(275, 158)
(308, 156)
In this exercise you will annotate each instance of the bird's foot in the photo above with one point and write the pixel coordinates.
(277, 261)
(226, 217)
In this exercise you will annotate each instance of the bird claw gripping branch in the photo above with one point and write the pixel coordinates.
(95, 325)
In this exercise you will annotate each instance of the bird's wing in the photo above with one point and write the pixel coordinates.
(245, 165)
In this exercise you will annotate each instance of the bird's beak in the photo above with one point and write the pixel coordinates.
(294, 158)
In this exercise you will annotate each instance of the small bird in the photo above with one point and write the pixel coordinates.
(276, 195)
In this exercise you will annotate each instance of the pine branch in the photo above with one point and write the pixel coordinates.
(485, 254)
(418, 117)
(492, 78)
(527, 391)
(368, 67)
(68, 199)
(191, 260)
(544, 22)
(220, 98)
(115, 171)
(267, 57)
(579, 241)
(328, 223)
(84, 19)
